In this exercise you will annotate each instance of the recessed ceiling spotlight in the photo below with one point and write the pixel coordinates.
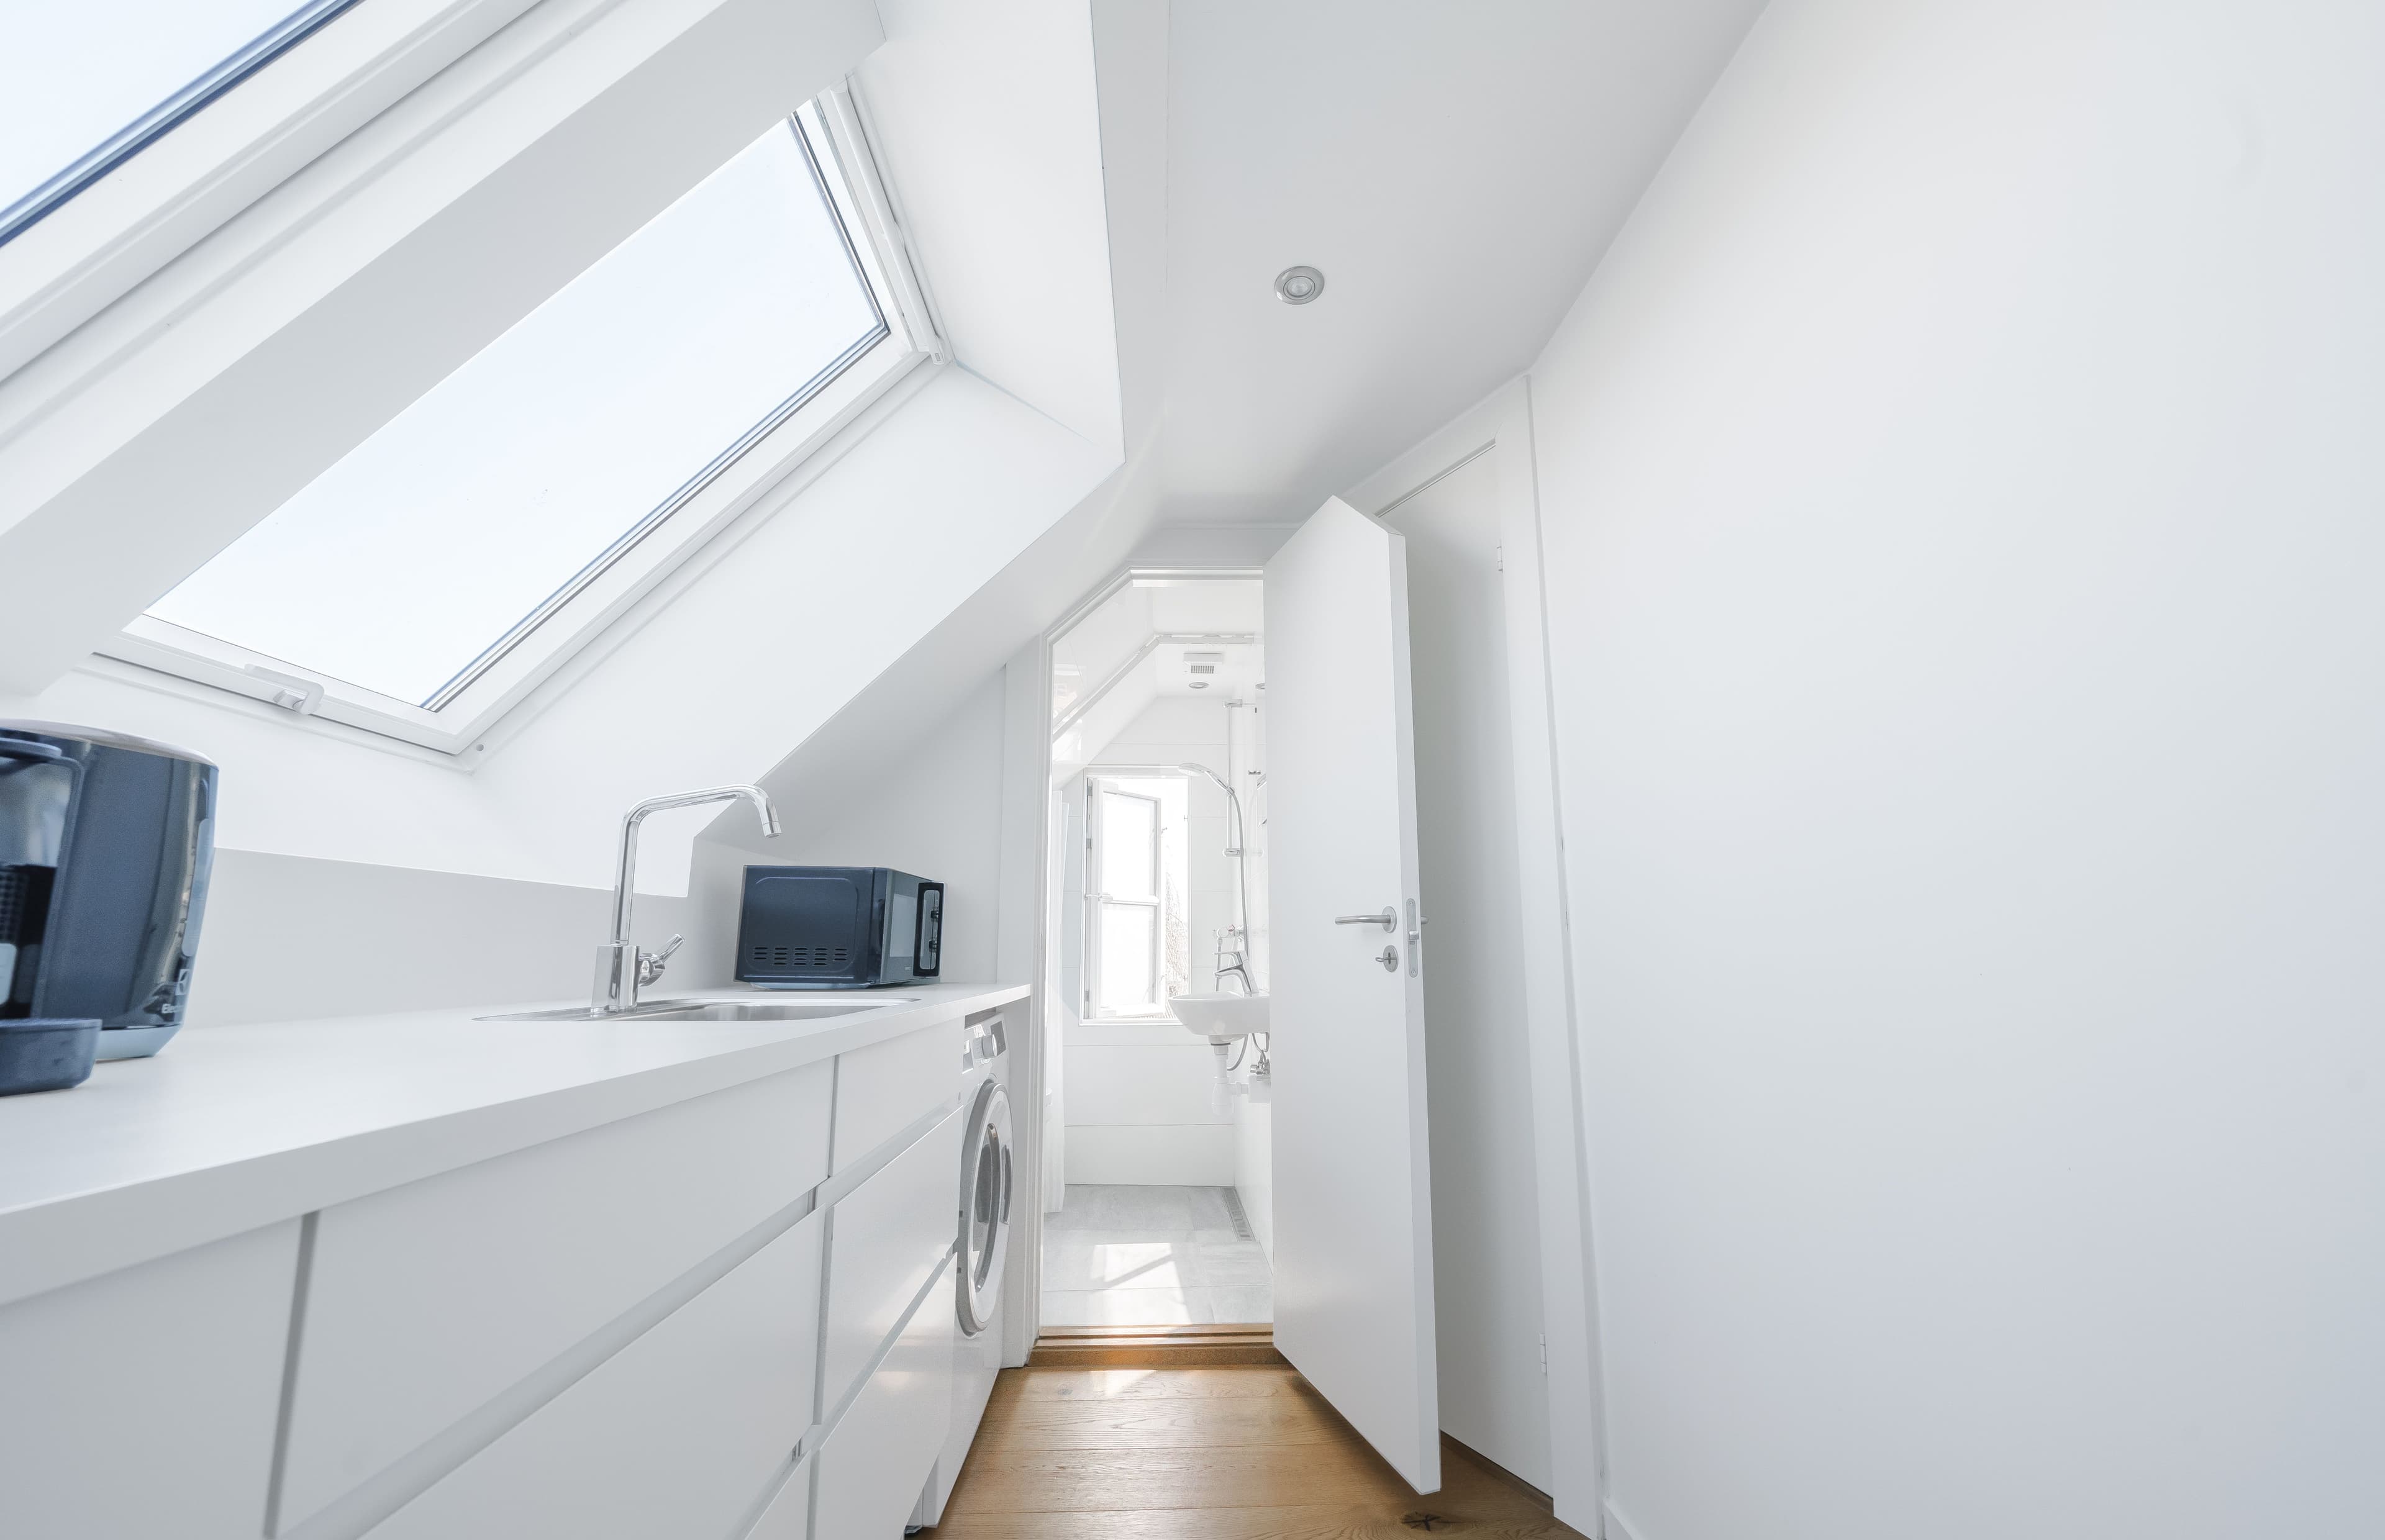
(1299, 285)
(1200, 684)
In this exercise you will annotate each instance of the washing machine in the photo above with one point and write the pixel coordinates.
(983, 1250)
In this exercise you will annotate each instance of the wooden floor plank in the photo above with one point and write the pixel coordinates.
(1179, 1424)
(1306, 1522)
(1205, 1454)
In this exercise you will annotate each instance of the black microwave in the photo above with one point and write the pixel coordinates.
(838, 927)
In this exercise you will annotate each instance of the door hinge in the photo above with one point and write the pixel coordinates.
(1545, 1352)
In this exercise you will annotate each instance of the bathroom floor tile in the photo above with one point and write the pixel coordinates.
(1127, 1307)
(1082, 1260)
(1241, 1306)
(1231, 1263)
(1136, 1256)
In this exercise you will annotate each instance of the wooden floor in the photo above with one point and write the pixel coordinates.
(1240, 1453)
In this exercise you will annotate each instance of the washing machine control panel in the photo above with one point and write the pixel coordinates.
(981, 1039)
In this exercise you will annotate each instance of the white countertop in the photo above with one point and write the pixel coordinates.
(232, 1127)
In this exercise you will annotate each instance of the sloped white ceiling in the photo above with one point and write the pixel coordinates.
(1454, 170)
(980, 113)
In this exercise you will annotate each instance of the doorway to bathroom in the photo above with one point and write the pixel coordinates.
(1157, 1193)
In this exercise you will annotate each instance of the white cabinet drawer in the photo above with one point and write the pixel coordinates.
(789, 1517)
(878, 1457)
(885, 1239)
(426, 1301)
(142, 1403)
(883, 1089)
(681, 1433)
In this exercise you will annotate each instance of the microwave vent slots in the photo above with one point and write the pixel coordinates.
(801, 957)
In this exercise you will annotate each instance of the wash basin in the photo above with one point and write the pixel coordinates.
(1221, 1018)
(710, 1011)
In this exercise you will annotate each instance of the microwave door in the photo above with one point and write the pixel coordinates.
(901, 929)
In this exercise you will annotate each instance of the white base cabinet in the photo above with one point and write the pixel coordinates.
(789, 1517)
(141, 1404)
(732, 1318)
(879, 1455)
(681, 1433)
(428, 1301)
(885, 1239)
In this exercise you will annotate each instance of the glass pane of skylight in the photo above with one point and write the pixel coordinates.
(456, 524)
(80, 77)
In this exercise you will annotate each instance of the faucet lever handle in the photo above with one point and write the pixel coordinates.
(650, 963)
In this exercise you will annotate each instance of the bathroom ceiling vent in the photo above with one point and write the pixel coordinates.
(1205, 668)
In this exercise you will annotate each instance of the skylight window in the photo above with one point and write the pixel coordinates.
(516, 504)
(85, 83)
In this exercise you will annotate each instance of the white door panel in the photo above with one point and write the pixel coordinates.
(1353, 1299)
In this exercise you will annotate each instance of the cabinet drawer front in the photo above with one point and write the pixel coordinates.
(426, 1301)
(883, 1089)
(680, 1432)
(885, 1237)
(142, 1403)
(878, 1456)
(789, 1517)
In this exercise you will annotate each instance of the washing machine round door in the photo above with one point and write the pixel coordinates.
(985, 1207)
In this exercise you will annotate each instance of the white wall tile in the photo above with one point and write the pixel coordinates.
(1255, 1168)
(1101, 1034)
(1179, 1157)
(1142, 1086)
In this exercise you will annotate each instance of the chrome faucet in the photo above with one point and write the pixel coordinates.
(1230, 944)
(621, 969)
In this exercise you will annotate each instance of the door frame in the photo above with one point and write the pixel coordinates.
(1502, 426)
(1021, 929)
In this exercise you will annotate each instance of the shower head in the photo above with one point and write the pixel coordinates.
(1192, 769)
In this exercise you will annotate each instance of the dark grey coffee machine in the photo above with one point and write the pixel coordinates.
(105, 842)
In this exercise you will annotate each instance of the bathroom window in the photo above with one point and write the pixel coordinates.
(429, 580)
(1135, 893)
(86, 84)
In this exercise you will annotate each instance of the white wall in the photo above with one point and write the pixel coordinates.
(1255, 1162)
(285, 936)
(935, 812)
(1486, 1255)
(1960, 488)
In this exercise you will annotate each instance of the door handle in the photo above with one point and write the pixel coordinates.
(1389, 919)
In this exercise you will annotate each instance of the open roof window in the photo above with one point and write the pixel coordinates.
(430, 578)
(86, 84)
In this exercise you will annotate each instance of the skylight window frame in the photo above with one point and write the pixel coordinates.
(280, 111)
(64, 186)
(466, 712)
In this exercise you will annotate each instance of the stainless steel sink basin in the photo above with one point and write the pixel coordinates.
(712, 1010)
(754, 1010)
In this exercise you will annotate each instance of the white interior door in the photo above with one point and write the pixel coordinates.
(1354, 1309)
